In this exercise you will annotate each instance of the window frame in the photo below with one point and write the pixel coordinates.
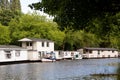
(43, 44)
(90, 51)
(98, 52)
(47, 44)
(17, 53)
(8, 56)
(29, 43)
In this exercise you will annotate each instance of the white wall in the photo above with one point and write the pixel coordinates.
(45, 48)
(24, 45)
(23, 56)
(34, 46)
(58, 54)
(101, 54)
(2, 56)
(38, 46)
(33, 55)
(67, 54)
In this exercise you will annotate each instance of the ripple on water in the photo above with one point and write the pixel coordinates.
(61, 70)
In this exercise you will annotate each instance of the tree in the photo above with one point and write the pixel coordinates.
(9, 10)
(69, 40)
(35, 26)
(6, 16)
(79, 39)
(4, 4)
(76, 13)
(107, 29)
(25, 26)
(4, 35)
(85, 39)
(58, 37)
(15, 5)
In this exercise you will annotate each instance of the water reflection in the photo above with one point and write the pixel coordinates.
(63, 70)
(118, 72)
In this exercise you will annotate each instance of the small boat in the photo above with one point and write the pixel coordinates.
(47, 60)
(50, 57)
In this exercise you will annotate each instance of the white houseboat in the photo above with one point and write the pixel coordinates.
(38, 49)
(100, 53)
(68, 55)
(10, 53)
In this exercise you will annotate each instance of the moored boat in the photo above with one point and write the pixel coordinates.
(47, 60)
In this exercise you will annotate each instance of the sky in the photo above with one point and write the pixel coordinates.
(25, 3)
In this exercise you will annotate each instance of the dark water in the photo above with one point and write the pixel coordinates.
(61, 70)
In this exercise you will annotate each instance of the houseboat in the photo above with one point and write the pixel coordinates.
(62, 55)
(38, 49)
(11, 53)
(100, 53)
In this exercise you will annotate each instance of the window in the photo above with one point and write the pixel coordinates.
(47, 44)
(59, 52)
(39, 54)
(76, 56)
(90, 51)
(43, 53)
(98, 52)
(66, 54)
(85, 51)
(101, 50)
(17, 53)
(108, 56)
(8, 56)
(42, 44)
(112, 51)
(29, 43)
(72, 54)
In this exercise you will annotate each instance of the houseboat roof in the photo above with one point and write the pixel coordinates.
(33, 39)
(104, 49)
(11, 47)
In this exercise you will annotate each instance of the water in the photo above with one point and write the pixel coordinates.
(61, 70)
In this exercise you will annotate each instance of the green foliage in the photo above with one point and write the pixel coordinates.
(35, 26)
(15, 5)
(24, 27)
(69, 42)
(4, 4)
(107, 28)
(79, 39)
(76, 13)
(58, 37)
(4, 35)
(5, 17)
(85, 39)
(80, 23)
(9, 9)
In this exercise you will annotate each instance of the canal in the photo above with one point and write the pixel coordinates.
(62, 70)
